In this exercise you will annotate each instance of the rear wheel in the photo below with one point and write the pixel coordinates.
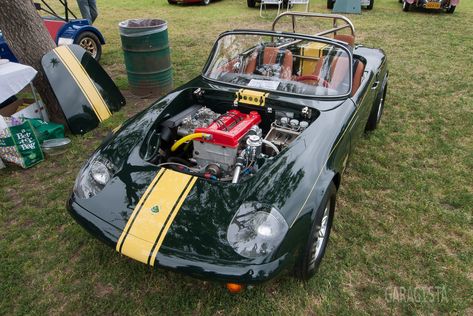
(91, 43)
(370, 6)
(451, 9)
(171, 2)
(251, 3)
(205, 2)
(377, 110)
(330, 4)
(405, 6)
(318, 238)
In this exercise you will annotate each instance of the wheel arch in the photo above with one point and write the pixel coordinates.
(89, 29)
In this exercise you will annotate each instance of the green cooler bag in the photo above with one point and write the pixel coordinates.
(45, 131)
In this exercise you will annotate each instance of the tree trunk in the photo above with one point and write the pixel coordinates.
(29, 40)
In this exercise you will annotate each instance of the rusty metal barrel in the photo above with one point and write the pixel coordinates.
(147, 55)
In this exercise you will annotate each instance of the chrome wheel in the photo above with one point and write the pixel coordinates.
(320, 235)
(380, 109)
(89, 45)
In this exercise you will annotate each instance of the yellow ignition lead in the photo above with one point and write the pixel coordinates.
(188, 138)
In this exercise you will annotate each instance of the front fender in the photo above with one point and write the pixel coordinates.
(72, 31)
(92, 29)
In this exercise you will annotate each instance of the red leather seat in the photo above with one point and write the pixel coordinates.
(349, 39)
(337, 72)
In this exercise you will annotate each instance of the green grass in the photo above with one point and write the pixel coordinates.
(404, 215)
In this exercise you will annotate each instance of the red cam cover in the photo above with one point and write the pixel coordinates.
(230, 127)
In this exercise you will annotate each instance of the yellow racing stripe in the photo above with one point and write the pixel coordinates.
(153, 215)
(84, 82)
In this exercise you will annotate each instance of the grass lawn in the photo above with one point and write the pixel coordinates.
(402, 240)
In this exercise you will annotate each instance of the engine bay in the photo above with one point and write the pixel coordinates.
(225, 142)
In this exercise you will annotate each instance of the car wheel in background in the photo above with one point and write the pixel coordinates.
(330, 4)
(405, 6)
(451, 9)
(370, 6)
(205, 2)
(377, 109)
(251, 3)
(314, 249)
(172, 2)
(91, 43)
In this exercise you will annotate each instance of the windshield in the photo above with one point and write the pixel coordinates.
(281, 63)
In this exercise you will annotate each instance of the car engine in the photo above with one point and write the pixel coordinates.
(225, 146)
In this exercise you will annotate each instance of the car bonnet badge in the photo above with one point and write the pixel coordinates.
(155, 209)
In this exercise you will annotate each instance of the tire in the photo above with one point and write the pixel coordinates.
(451, 9)
(171, 2)
(370, 6)
(251, 3)
(405, 6)
(330, 4)
(377, 109)
(205, 2)
(314, 250)
(400, 1)
(91, 43)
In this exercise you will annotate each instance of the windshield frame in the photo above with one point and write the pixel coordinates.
(321, 39)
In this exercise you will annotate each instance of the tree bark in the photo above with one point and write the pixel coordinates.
(28, 39)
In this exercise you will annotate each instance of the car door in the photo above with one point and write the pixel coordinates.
(363, 100)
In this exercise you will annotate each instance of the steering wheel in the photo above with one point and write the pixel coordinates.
(317, 79)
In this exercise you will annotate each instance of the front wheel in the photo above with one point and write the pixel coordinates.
(451, 9)
(405, 6)
(91, 43)
(318, 238)
(377, 110)
(370, 6)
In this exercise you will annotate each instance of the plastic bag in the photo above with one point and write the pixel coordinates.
(141, 27)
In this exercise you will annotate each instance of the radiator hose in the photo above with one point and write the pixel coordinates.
(188, 138)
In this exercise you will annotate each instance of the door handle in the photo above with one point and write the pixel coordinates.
(375, 85)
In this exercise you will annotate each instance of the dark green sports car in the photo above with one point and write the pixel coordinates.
(233, 176)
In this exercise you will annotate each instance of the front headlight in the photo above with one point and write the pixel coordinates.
(92, 178)
(256, 230)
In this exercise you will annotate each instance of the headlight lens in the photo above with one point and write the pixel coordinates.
(256, 230)
(92, 178)
(99, 173)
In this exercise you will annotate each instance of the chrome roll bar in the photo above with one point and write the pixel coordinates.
(345, 22)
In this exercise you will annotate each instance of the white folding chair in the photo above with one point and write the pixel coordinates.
(290, 3)
(265, 2)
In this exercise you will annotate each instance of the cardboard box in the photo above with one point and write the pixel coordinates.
(10, 109)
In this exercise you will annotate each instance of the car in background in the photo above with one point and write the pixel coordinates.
(64, 31)
(448, 5)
